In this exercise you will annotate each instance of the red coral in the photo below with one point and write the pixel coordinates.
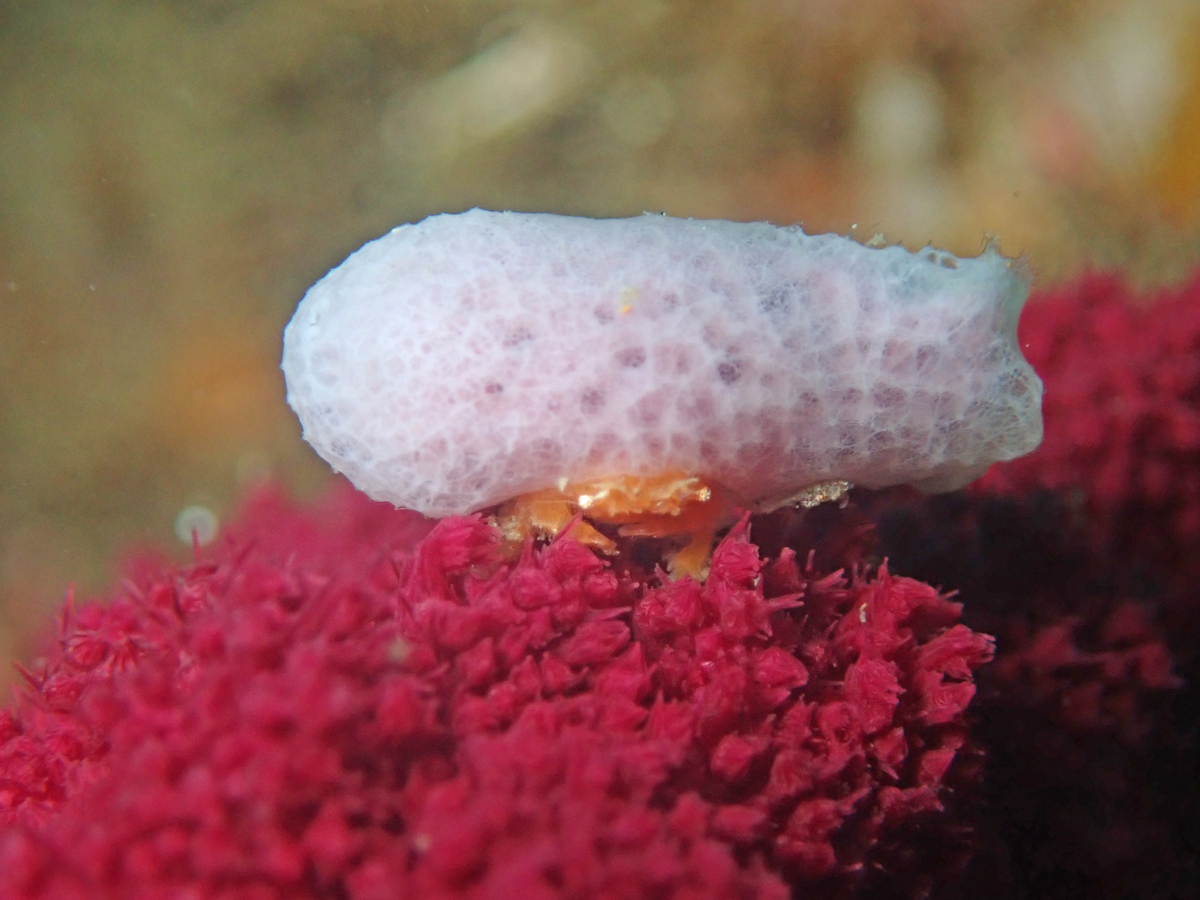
(356, 710)
(1083, 558)
(1098, 690)
(1122, 411)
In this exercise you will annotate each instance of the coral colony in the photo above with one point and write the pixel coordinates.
(557, 690)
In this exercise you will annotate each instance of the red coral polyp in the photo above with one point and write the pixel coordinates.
(361, 711)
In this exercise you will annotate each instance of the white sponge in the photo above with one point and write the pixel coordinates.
(459, 362)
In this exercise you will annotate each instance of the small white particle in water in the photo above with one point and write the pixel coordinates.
(199, 519)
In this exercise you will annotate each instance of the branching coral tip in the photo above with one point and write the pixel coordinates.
(654, 371)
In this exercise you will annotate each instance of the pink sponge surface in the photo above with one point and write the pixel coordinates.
(461, 361)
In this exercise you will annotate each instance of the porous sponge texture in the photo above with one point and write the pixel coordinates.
(458, 362)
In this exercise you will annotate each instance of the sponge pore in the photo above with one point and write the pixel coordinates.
(459, 362)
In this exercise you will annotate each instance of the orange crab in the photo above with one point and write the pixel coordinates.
(674, 504)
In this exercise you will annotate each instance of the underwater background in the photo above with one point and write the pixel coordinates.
(174, 175)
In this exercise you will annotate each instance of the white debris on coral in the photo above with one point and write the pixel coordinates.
(459, 362)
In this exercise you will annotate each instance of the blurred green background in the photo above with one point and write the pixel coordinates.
(175, 173)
